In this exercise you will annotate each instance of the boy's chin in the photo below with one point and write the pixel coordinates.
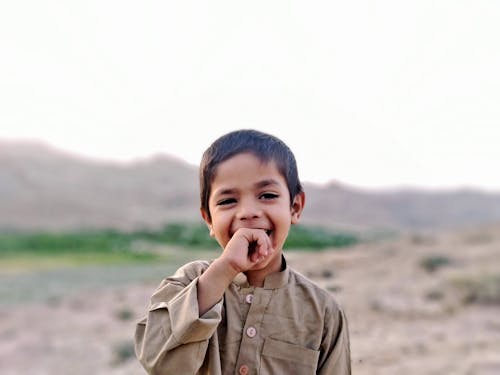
(268, 263)
(258, 267)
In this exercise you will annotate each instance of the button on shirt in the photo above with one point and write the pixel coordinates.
(249, 298)
(289, 326)
(251, 332)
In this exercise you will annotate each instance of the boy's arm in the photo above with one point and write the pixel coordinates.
(173, 337)
(235, 258)
(212, 284)
(335, 348)
(186, 309)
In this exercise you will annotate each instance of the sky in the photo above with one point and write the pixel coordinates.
(374, 94)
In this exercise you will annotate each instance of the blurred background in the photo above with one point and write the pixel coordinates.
(391, 109)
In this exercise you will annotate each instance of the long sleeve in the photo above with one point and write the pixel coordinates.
(172, 338)
(289, 325)
(336, 355)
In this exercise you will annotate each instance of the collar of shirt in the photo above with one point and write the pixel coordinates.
(273, 281)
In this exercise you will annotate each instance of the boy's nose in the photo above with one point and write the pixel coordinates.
(248, 211)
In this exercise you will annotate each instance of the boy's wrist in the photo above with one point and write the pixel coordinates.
(224, 269)
(212, 284)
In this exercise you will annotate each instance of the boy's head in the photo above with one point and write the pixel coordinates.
(264, 146)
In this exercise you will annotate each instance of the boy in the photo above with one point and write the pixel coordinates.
(246, 312)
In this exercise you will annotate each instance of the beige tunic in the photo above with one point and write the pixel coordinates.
(289, 326)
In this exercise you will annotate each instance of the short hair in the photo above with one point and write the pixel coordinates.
(264, 146)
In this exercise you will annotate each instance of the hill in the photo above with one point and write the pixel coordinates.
(43, 188)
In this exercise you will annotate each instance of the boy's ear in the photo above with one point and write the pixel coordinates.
(298, 206)
(207, 220)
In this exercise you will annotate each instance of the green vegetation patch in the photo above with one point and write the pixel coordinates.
(180, 234)
(61, 243)
(122, 352)
(435, 262)
(24, 251)
(483, 289)
(313, 238)
(19, 250)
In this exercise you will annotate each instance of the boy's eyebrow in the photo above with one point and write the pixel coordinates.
(258, 185)
(265, 183)
(224, 191)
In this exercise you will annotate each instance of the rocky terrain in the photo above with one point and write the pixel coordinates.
(417, 304)
(424, 301)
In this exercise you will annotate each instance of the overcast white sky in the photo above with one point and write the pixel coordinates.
(368, 93)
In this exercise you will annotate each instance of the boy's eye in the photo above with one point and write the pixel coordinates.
(226, 201)
(269, 196)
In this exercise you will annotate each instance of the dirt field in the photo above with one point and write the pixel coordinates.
(423, 304)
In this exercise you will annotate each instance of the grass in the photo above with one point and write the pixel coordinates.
(25, 251)
(482, 289)
(124, 314)
(48, 266)
(314, 238)
(122, 351)
(18, 250)
(435, 262)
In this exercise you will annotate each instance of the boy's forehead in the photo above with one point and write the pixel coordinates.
(249, 154)
(246, 168)
(238, 162)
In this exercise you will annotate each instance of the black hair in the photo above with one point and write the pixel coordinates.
(265, 146)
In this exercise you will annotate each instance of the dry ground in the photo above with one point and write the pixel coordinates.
(426, 304)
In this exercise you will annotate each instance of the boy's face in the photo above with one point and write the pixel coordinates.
(247, 193)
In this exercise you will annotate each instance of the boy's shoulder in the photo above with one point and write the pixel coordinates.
(191, 270)
(309, 289)
(301, 286)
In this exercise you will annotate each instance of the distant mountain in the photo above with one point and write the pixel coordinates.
(42, 188)
(341, 206)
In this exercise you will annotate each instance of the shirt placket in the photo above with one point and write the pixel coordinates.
(246, 298)
(252, 340)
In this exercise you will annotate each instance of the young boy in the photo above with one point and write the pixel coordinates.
(246, 312)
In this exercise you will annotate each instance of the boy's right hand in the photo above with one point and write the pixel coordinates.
(247, 249)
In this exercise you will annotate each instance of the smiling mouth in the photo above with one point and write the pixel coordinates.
(268, 232)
